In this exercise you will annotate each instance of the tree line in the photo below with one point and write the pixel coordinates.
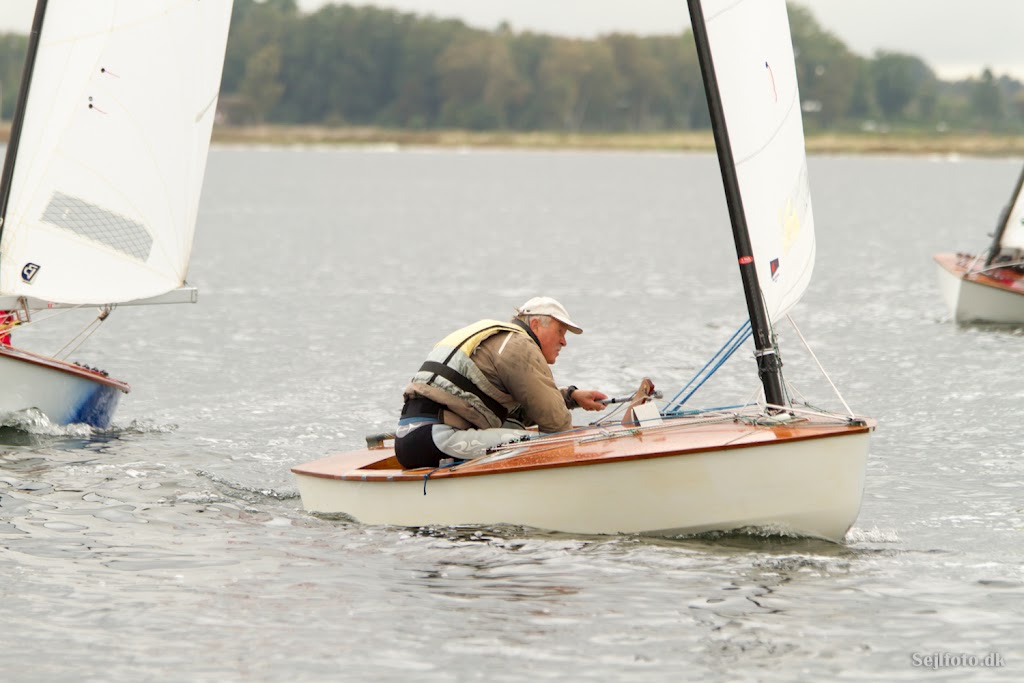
(347, 65)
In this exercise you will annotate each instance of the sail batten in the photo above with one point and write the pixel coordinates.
(104, 195)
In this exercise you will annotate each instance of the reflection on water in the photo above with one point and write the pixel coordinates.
(172, 546)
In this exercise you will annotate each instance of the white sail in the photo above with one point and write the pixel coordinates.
(111, 158)
(753, 56)
(1013, 234)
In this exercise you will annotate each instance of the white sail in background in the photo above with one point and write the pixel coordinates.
(756, 72)
(110, 164)
(1013, 235)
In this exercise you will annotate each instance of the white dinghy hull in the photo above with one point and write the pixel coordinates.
(666, 481)
(65, 393)
(982, 298)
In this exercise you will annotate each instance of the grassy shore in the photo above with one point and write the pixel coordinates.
(817, 143)
(905, 143)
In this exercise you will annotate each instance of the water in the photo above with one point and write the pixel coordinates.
(173, 547)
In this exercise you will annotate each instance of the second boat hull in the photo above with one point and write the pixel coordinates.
(995, 297)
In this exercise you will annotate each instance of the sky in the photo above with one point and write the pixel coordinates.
(956, 39)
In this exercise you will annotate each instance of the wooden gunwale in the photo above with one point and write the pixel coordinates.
(998, 278)
(62, 366)
(589, 447)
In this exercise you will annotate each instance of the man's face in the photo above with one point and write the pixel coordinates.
(551, 337)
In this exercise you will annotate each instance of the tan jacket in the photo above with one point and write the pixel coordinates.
(522, 380)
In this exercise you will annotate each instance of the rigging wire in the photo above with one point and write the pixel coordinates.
(36, 319)
(721, 356)
(995, 266)
(820, 367)
(673, 408)
(84, 335)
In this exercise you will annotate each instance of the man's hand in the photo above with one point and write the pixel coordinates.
(588, 399)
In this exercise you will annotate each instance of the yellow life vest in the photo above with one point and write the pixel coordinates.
(450, 367)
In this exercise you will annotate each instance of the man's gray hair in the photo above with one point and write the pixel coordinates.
(545, 320)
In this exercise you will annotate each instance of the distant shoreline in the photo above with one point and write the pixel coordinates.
(978, 144)
(667, 141)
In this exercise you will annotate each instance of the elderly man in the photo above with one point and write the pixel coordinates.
(484, 384)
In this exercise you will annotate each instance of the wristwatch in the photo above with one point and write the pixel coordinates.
(570, 403)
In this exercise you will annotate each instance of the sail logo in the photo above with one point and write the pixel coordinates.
(790, 221)
(775, 269)
(28, 272)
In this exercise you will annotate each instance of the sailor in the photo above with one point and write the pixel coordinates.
(484, 384)
(7, 321)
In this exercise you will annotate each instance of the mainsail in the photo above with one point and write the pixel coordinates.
(1010, 232)
(756, 72)
(115, 133)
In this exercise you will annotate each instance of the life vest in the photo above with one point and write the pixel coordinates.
(450, 367)
(6, 323)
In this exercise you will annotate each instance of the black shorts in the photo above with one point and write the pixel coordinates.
(417, 448)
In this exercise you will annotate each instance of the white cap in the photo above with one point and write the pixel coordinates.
(545, 305)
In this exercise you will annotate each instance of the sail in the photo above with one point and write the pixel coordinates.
(1012, 233)
(752, 52)
(105, 188)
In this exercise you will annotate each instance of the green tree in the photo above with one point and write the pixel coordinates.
(574, 76)
(1018, 104)
(643, 78)
(899, 79)
(417, 91)
(529, 50)
(863, 104)
(479, 81)
(682, 103)
(12, 63)
(261, 86)
(826, 70)
(254, 26)
(987, 102)
(340, 66)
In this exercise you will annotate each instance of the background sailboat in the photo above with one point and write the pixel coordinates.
(102, 177)
(989, 287)
(770, 465)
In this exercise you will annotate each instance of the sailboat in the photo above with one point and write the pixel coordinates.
(669, 471)
(101, 180)
(988, 288)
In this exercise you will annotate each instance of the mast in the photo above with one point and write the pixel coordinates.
(1004, 218)
(769, 367)
(19, 112)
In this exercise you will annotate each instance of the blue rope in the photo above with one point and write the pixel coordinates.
(718, 360)
(440, 467)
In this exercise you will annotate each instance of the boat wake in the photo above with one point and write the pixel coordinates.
(35, 422)
(142, 427)
(873, 535)
(244, 492)
(32, 421)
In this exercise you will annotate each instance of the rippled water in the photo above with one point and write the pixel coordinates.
(173, 547)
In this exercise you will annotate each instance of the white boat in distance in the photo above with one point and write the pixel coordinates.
(101, 179)
(770, 466)
(988, 288)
